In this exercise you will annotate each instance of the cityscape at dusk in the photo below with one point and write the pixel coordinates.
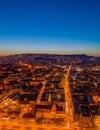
(49, 65)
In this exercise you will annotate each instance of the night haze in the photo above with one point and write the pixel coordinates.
(50, 26)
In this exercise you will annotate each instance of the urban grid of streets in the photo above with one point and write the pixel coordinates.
(29, 125)
(16, 124)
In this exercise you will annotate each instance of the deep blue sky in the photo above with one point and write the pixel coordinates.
(50, 26)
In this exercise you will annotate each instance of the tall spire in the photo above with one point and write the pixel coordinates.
(49, 98)
(54, 108)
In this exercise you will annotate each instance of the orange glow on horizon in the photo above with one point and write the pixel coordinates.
(6, 53)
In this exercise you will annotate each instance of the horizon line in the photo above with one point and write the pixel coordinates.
(41, 53)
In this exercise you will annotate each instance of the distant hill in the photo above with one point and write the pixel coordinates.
(42, 59)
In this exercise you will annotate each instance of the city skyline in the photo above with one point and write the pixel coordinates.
(50, 26)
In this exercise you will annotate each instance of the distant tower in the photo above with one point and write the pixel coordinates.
(49, 98)
(20, 62)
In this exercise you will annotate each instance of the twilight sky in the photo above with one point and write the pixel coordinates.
(50, 26)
